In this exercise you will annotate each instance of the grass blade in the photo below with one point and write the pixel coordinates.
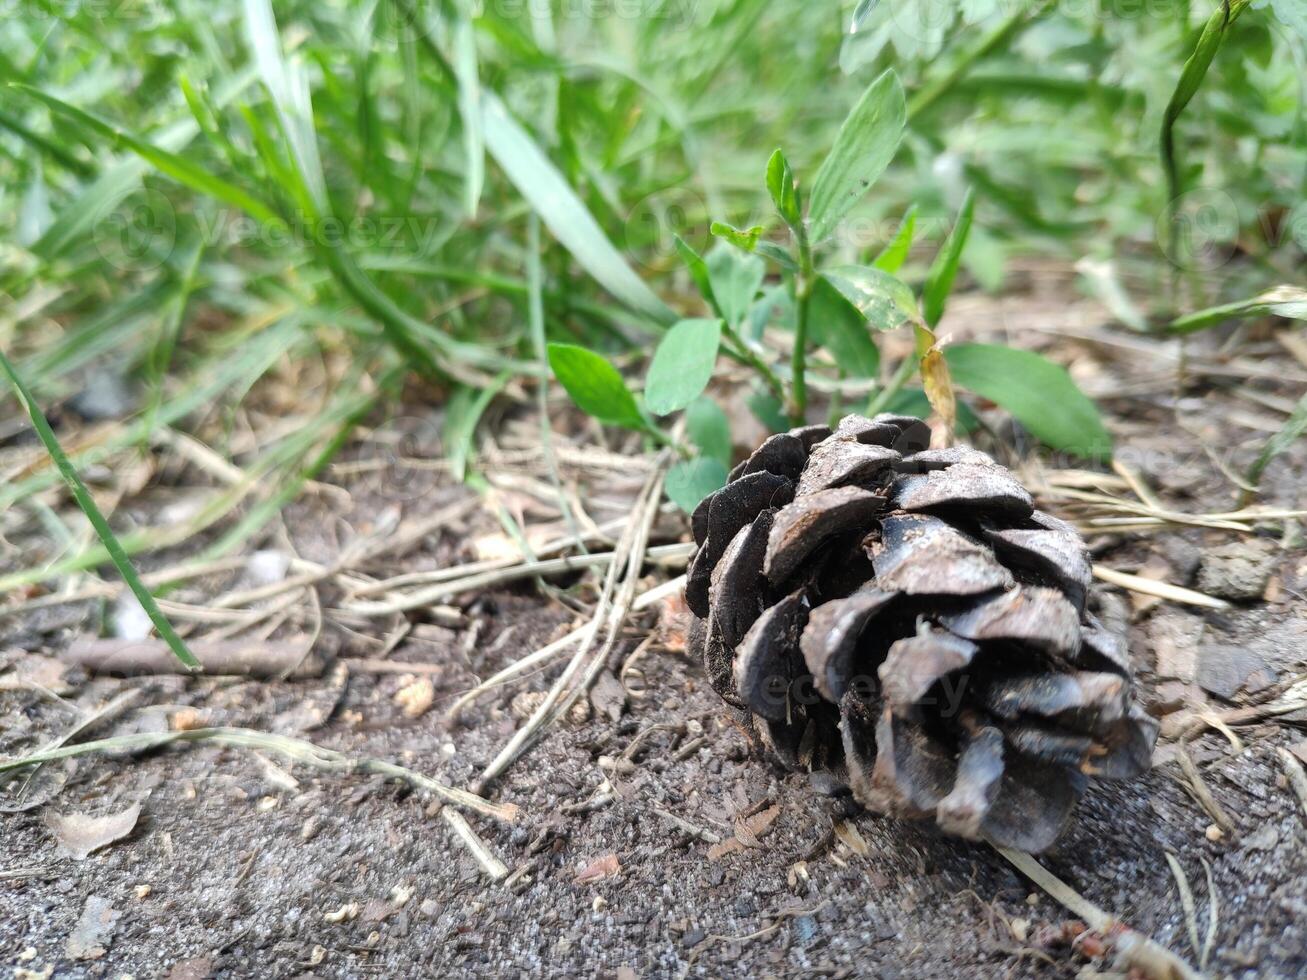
(564, 214)
(939, 280)
(92, 512)
(1289, 302)
(166, 162)
(463, 38)
(1294, 427)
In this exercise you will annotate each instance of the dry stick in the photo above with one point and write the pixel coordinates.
(299, 750)
(1186, 902)
(554, 650)
(669, 553)
(1162, 590)
(490, 864)
(1297, 778)
(107, 590)
(631, 549)
(1213, 916)
(1204, 795)
(490, 564)
(1150, 957)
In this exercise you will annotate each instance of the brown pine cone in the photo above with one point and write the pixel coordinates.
(903, 618)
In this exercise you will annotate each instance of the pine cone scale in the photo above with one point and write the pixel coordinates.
(904, 618)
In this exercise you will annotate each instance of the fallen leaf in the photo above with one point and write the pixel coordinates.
(196, 968)
(600, 868)
(79, 835)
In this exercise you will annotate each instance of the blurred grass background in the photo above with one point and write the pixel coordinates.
(193, 195)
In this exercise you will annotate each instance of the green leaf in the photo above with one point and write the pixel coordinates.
(463, 39)
(777, 254)
(884, 300)
(1294, 427)
(844, 330)
(768, 410)
(939, 280)
(690, 480)
(783, 189)
(170, 164)
(1038, 393)
(709, 429)
(595, 386)
(736, 278)
(563, 213)
(1289, 302)
(87, 503)
(746, 239)
(462, 414)
(682, 365)
(893, 255)
(698, 271)
(863, 149)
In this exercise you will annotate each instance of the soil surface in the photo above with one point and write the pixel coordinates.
(248, 865)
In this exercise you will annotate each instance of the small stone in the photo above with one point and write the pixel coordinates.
(1239, 570)
(416, 696)
(310, 829)
(1020, 929)
(599, 904)
(1171, 696)
(347, 912)
(1226, 670)
(1262, 840)
(317, 956)
(429, 908)
(1213, 833)
(93, 934)
(187, 720)
(1176, 723)
(1176, 636)
(142, 892)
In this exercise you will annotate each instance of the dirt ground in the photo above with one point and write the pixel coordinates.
(238, 867)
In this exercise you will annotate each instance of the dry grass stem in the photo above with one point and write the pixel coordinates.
(1139, 951)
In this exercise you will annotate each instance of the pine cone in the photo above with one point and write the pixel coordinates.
(903, 618)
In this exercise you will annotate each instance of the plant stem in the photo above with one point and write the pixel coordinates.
(1191, 78)
(746, 355)
(798, 358)
(934, 90)
(882, 396)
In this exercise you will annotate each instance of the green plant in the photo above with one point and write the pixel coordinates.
(833, 307)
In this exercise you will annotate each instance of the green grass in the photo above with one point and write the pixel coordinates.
(191, 193)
